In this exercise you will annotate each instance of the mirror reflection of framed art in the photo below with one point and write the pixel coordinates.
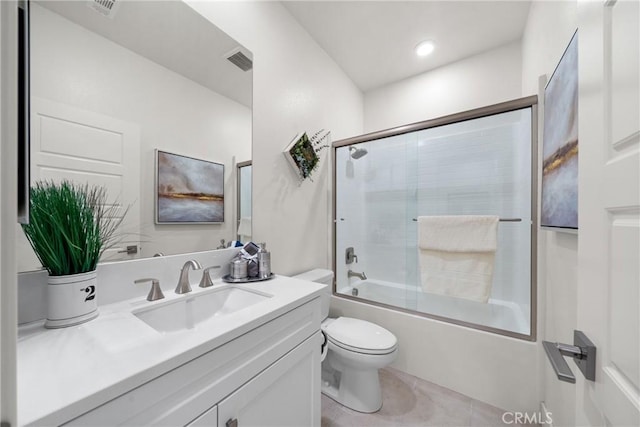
(188, 190)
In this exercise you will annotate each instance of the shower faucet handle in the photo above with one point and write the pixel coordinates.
(350, 256)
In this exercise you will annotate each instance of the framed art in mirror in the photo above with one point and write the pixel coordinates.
(188, 190)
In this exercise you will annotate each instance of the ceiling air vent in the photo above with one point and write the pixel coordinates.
(107, 8)
(240, 60)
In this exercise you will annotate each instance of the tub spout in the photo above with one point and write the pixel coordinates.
(362, 276)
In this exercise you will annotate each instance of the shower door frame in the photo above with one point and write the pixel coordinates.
(503, 107)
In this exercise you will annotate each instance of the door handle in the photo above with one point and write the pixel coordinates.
(583, 352)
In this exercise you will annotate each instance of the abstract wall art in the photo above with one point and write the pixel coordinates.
(188, 190)
(559, 206)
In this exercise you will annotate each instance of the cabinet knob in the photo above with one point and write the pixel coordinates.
(233, 422)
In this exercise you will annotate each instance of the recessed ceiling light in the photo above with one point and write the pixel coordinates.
(425, 48)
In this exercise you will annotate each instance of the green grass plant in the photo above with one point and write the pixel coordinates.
(70, 226)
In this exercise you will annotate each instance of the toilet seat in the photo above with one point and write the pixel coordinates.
(359, 336)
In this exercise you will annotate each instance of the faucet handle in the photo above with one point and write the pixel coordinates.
(155, 293)
(350, 256)
(206, 282)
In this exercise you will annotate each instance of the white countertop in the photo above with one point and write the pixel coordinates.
(63, 373)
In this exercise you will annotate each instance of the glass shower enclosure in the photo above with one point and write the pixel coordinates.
(478, 163)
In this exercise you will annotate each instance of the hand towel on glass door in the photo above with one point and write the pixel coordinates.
(457, 254)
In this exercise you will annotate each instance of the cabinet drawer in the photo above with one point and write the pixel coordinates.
(181, 395)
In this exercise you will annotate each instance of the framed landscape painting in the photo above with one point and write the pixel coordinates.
(188, 190)
(559, 206)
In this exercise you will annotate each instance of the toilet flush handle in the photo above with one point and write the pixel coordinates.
(324, 346)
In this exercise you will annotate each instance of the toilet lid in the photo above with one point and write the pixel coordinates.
(360, 335)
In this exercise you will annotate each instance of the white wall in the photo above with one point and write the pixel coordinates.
(484, 79)
(74, 66)
(549, 29)
(297, 87)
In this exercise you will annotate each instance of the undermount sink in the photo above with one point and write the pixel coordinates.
(189, 311)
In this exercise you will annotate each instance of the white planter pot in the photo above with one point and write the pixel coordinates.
(71, 299)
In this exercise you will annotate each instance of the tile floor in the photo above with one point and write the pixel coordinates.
(411, 402)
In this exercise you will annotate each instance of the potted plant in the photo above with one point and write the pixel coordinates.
(70, 226)
(302, 152)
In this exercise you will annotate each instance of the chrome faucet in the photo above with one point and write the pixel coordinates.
(183, 283)
(362, 276)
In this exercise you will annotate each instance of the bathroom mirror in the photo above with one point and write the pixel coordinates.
(111, 82)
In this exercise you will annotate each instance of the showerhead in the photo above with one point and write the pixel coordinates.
(356, 153)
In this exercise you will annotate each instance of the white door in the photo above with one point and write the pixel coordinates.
(87, 147)
(609, 212)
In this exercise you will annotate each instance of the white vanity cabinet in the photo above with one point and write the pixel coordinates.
(267, 376)
(285, 394)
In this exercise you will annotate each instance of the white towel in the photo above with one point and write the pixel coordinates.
(457, 254)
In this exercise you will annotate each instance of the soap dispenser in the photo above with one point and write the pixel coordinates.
(264, 262)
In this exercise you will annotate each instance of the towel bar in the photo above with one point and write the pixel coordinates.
(501, 219)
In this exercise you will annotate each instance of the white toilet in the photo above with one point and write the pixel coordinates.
(356, 350)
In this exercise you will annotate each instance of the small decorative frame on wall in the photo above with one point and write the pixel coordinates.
(188, 190)
(559, 206)
(303, 152)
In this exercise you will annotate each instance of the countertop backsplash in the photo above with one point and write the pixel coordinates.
(115, 279)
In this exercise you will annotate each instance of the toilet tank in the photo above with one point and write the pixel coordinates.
(320, 275)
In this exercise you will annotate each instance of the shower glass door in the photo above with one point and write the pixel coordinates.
(476, 166)
(482, 167)
(373, 204)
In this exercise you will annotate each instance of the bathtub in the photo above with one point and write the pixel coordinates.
(495, 313)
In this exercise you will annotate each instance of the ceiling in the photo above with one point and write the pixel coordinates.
(172, 34)
(374, 41)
